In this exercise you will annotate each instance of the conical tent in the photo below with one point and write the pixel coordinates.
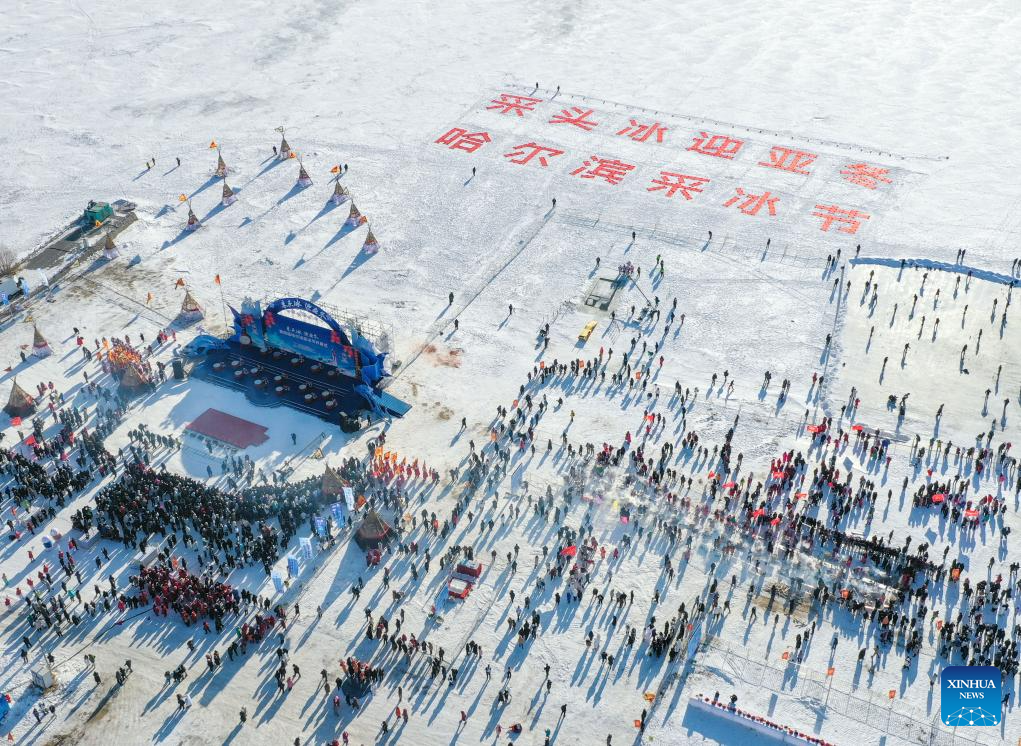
(332, 484)
(229, 198)
(193, 221)
(133, 379)
(110, 248)
(303, 178)
(339, 193)
(285, 149)
(20, 403)
(190, 308)
(355, 218)
(40, 348)
(373, 531)
(370, 246)
(221, 166)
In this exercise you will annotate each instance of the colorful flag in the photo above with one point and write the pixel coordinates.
(213, 144)
(335, 170)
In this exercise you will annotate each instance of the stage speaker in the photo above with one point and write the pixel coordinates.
(178, 369)
(348, 424)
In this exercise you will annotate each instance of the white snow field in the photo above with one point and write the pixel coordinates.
(519, 154)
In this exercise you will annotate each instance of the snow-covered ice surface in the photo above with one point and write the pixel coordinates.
(926, 91)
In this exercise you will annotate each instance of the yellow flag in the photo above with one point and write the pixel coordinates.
(148, 298)
(335, 170)
(213, 145)
(182, 198)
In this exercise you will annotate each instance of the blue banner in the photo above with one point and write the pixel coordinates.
(353, 355)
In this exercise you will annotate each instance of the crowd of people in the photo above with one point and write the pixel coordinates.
(689, 494)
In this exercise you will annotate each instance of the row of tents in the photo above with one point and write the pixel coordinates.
(340, 194)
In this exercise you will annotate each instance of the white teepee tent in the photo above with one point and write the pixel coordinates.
(229, 198)
(339, 193)
(110, 248)
(355, 218)
(40, 347)
(190, 308)
(370, 246)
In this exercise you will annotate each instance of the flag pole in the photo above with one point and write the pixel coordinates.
(223, 303)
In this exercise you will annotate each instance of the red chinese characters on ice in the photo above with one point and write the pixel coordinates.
(719, 146)
(611, 170)
(751, 204)
(789, 159)
(512, 103)
(674, 182)
(644, 132)
(850, 220)
(865, 175)
(461, 139)
(575, 116)
(528, 151)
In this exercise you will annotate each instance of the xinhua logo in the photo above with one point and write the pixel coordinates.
(970, 695)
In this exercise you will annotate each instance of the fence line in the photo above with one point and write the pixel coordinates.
(819, 692)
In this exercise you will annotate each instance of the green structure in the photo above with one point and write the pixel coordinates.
(97, 213)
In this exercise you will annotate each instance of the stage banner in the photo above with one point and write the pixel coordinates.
(337, 510)
(278, 581)
(306, 547)
(328, 344)
(320, 524)
(349, 498)
(293, 567)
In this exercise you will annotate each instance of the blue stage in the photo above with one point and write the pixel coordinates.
(278, 359)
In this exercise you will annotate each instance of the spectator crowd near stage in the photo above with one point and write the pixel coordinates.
(795, 532)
